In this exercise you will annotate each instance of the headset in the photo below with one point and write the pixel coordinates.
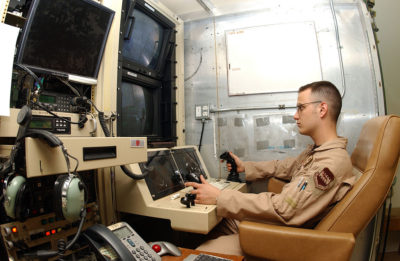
(70, 193)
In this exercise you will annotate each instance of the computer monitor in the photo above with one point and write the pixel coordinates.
(163, 178)
(188, 162)
(148, 39)
(65, 38)
(139, 108)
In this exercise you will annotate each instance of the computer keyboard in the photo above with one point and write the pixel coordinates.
(220, 184)
(205, 257)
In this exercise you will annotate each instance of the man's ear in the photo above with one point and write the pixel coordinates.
(323, 109)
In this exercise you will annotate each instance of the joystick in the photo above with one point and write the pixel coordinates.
(193, 177)
(233, 175)
(188, 199)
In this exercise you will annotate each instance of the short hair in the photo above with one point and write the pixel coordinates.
(327, 92)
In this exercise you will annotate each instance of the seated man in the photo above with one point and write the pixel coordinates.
(318, 178)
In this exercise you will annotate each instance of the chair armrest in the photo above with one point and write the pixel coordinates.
(287, 243)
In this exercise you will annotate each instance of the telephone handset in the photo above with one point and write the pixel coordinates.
(119, 242)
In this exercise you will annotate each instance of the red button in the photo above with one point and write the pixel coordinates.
(156, 248)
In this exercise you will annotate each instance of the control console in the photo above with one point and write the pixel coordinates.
(162, 194)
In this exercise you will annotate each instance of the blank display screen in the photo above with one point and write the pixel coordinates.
(164, 179)
(140, 110)
(65, 36)
(145, 43)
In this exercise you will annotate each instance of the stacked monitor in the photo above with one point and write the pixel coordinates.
(145, 93)
(65, 38)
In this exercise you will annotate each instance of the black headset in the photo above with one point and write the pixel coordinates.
(70, 193)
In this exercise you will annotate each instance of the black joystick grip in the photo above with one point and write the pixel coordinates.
(233, 175)
(188, 199)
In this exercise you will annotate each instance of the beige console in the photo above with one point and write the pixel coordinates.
(92, 153)
(134, 197)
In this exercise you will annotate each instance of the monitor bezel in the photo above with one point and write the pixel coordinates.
(166, 47)
(167, 155)
(24, 38)
(144, 82)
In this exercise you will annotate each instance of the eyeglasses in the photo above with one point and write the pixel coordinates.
(301, 107)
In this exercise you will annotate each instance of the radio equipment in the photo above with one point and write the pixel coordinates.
(55, 101)
(52, 124)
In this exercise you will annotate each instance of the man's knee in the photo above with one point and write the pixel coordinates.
(228, 244)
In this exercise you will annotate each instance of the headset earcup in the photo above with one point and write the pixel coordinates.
(58, 185)
(22, 202)
(75, 200)
(13, 189)
(69, 197)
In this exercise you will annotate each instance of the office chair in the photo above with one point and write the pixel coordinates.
(374, 159)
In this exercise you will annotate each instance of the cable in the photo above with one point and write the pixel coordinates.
(83, 217)
(73, 89)
(198, 67)
(123, 167)
(61, 246)
(201, 135)
(26, 69)
(39, 83)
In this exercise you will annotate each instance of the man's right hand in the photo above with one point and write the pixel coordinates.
(239, 163)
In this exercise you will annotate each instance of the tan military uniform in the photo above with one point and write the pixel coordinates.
(318, 178)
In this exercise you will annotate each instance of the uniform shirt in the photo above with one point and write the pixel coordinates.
(319, 177)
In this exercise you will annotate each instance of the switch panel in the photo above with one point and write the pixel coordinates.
(202, 112)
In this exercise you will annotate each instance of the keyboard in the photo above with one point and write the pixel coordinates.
(220, 184)
(205, 257)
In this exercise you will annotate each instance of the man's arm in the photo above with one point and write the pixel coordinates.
(282, 169)
(311, 190)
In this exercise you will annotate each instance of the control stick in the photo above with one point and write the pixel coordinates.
(233, 175)
(188, 199)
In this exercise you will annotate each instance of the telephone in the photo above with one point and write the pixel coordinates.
(118, 242)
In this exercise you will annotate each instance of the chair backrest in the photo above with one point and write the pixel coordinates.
(375, 158)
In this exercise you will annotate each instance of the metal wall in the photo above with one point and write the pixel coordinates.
(271, 133)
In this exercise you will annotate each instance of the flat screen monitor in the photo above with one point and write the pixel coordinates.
(148, 39)
(65, 38)
(163, 179)
(139, 113)
(188, 162)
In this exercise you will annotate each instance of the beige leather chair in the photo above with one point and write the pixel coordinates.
(375, 158)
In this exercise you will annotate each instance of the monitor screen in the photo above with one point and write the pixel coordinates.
(145, 43)
(139, 115)
(187, 162)
(163, 179)
(63, 37)
(148, 38)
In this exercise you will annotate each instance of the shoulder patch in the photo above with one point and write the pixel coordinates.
(323, 178)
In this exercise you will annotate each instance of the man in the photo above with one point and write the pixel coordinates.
(318, 178)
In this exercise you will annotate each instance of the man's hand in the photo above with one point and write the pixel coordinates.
(205, 193)
(239, 163)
